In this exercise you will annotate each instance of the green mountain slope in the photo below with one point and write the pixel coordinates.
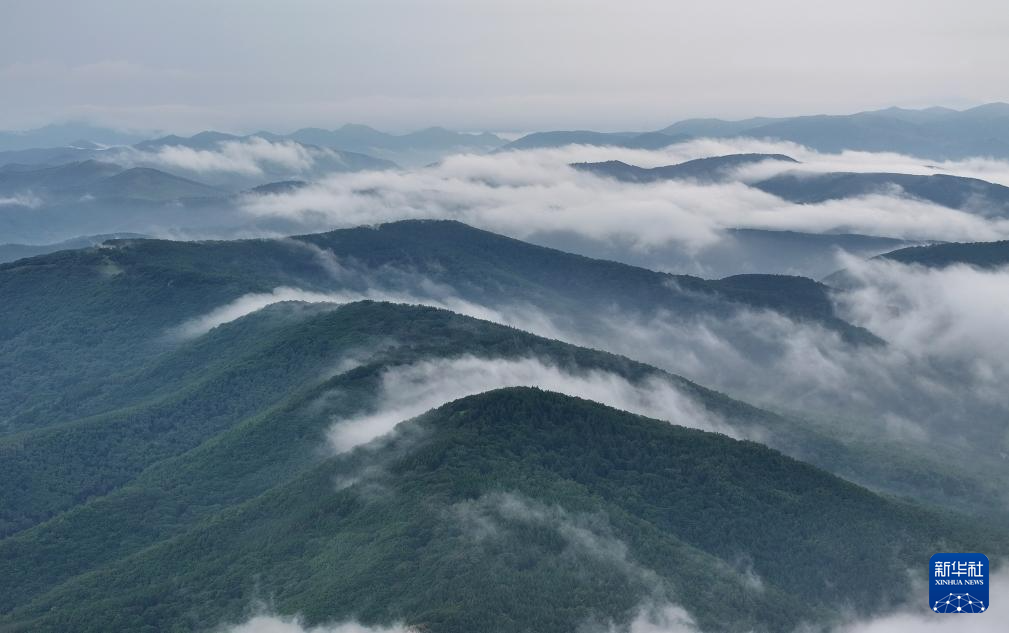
(516, 510)
(738, 251)
(635, 140)
(979, 254)
(77, 317)
(956, 192)
(145, 183)
(248, 406)
(91, 179)
(277, 355)
(13, 252)
(711, 169)
(938, 133)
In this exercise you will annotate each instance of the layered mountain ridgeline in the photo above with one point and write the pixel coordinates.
(52, 204)
(17, 177)
(225, 161)
(712, 169)
(240, 410)
(97, 435)
(936, 133)
(351, 137)
(95, 179)
(70, 313)
(353, 147)
(511, 510)
(631, 140)
(12, 252)
(956, 192)
(88, 440)
(737, 251)
(141, 443)
(68, 134)
(990, 256)
(361, 138)
(979, 254)
(279, 187)
(933, 133)
(412, 149)
(490, 269)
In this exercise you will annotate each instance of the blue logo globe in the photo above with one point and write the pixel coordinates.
(959, 603)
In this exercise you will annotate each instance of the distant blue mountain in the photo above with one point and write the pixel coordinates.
(95, 179)
(956, 192)
(933, 133)
(635, 140)
(936, 133)
(705, 169)
(66, 135)
(361, 138)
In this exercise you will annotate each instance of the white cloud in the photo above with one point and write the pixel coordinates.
(280, 624)
(920, 619)
(666, 618)
(249, 303)
(248, 157)
(957, 313)
(943, 367)
(28, 200)
(586, 536)
(410, 390)
(989, 169)
(529, 192)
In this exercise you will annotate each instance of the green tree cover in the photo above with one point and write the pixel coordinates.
(980, 254)
(75, 322)
(119, 482)
(523, 510)
(118, 442)
(72, 465)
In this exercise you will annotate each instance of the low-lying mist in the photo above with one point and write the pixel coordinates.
(528, 193)
(410, 390)
(280, 624)
(941, 371)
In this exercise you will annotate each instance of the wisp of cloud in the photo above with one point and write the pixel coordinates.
(410, 390)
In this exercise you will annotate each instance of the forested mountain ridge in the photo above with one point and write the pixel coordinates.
(956, 192)
(806, 187)
(93, 438)
(161, 398)
(104, 306)
(710, 169)
(520, 483)
(935, 133)
(980, 254)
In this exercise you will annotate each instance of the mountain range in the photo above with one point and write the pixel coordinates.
(189, 429)
(932, 133)
(69, 134)
(12, 252)
(710, 169)
(805, 187)
(488, 512)
(984, 255)
(737, 251)
(358, 146)
(95, 179)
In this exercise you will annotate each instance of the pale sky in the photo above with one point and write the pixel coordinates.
(242, 65)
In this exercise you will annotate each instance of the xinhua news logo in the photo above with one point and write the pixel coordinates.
(959, 583)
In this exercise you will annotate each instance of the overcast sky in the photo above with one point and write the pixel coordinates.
(241, 65)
